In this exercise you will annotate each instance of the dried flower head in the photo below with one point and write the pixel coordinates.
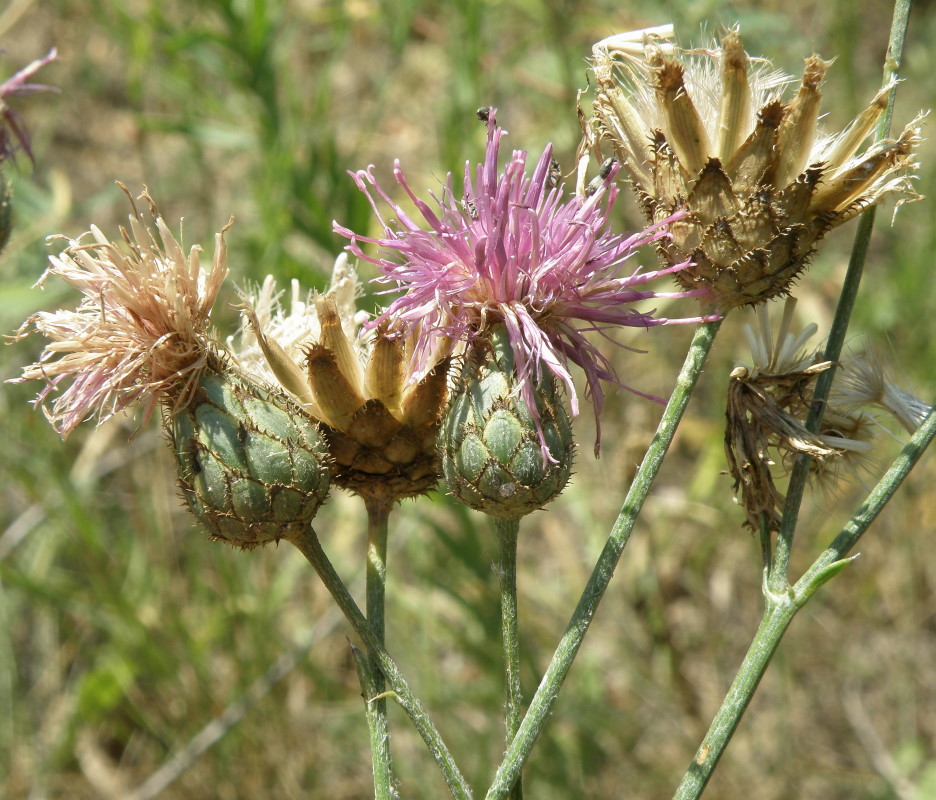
(141, 333)
(768, 403)
(378, 420)
(13, 132)
(512, 250)
(709, 130)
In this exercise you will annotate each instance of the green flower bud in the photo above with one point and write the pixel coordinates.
(491, 445)
(252, 466)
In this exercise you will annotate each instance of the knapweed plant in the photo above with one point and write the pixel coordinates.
(503, 292)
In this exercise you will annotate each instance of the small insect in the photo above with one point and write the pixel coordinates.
(484, 113)
(598, 181)
(555, 174)
(470, 207)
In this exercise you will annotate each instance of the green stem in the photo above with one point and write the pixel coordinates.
(819, 572)
(548, 690)
(507, 530)
(781, 608)
(378, 515)
(308, 544)
(774, 623)
(778, 579)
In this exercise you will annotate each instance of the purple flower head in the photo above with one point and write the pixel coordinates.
(13, 132)
(514, 251)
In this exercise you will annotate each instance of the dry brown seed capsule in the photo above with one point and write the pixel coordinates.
(679, 120)
(768, 403)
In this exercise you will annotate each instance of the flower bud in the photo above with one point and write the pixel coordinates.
(496, 457)
(252, 466)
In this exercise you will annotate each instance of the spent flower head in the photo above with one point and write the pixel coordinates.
(511, 249)
(378, 424)
(13, 131)
(709, 130)
(769, 400)
(141, 332)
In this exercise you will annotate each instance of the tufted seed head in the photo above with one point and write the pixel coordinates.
(709, 130)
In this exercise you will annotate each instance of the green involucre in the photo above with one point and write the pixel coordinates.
(491, 455)
(252, 466)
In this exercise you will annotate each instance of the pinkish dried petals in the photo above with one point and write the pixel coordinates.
(140, 334)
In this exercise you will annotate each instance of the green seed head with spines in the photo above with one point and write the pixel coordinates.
(252, 465)
(491, 452)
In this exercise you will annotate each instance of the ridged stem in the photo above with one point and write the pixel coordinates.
(308, 544)
(507, 530)
(378, 515)
(778, 579)
(548, 690)
(782, 600)
(781, 608)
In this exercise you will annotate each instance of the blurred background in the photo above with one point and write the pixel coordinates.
(124, 631)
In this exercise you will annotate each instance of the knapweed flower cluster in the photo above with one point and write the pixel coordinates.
(251, 464)
(512, 250)
(380, 426)
(709, 130)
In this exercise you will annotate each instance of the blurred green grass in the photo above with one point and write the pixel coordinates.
(124, 631)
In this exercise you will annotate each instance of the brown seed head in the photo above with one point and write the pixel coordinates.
(767, 406)
(709, 130)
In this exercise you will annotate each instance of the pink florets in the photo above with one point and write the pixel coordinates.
(514, 251)
(13, 132)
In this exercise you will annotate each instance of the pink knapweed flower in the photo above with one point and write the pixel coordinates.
(141, 332)
(13, 130)
(514, 250)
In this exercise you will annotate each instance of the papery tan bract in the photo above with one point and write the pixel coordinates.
(378, 419)
(708, 130)
(380, 427)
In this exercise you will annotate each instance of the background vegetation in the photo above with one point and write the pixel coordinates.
(124, 631)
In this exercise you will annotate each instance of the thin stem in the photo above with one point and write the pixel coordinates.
(779, 573)
(507, 530)
(869, 510)
(568, 647)
(378, 515)
(774, 623)
(308, 544)
(781, 608)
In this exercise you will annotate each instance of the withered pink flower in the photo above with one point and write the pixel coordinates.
(141, 333)
(513, 250)
(13, 132)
